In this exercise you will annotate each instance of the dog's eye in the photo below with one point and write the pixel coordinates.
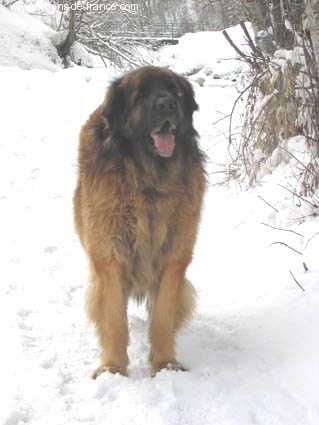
(174, 90)
(143, 92)
(140, 94)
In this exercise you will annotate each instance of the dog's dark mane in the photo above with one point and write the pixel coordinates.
(115, 151)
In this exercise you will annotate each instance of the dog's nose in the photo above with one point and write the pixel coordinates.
(164, 103)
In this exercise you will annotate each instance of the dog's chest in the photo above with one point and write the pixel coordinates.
(153, 218)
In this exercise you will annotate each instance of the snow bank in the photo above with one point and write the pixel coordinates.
(206, 57)
(26, 42)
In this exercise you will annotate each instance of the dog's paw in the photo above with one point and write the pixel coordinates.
(108, 368)
(175, 366)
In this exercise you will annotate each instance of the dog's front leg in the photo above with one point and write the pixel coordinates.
(107, 308)
(171, 307)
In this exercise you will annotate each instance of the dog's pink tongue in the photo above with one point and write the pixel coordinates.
(164, 142)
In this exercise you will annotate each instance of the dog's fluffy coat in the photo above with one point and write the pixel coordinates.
(137, 211)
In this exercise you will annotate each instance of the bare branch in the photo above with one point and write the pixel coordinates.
(10, 3)
(293, 192)
(284, 230)
(241, 54)
(286, 245)
(312, 237)
(268, 204)
(296, 281)
(298, 160)
(117, 51)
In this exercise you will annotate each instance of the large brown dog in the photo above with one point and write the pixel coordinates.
(137, 207)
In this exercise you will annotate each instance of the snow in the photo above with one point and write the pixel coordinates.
(252, 347)
(208, 50)
(26, 42)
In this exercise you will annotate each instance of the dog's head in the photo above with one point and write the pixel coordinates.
(151, 109)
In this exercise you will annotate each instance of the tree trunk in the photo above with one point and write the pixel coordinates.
(257, 13)
(312, 11)
(224, 14)
(65, 46)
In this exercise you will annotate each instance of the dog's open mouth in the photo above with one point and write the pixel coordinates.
(164, 139)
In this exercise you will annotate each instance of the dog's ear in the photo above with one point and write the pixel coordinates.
(113, 106)
(188, 95)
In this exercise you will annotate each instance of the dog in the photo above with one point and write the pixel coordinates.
(137, 207)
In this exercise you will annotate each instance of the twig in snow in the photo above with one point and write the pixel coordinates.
(268, 204)
(284, 230)
(301, 198)
(303, 289)
(238, 225)
(286, 245)
(221, 119)
(306, 167)
(312, 237)
(305, 267)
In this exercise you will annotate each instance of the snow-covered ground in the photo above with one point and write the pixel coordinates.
(252, 348)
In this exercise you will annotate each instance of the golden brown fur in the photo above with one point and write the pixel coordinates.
(137, 213)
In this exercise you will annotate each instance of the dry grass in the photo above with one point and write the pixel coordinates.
(282, 101)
